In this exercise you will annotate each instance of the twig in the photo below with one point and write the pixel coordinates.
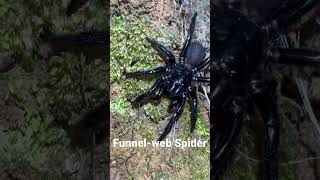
(206, 94)
(302, 86)
(291, 162)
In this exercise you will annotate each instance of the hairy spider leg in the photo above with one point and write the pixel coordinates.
(283, 20)
(173, 118)
(164, 52)
(194, 107)
(151, 92)
(302, 57)
(188, 40)
(156, 71)
(266, 102)
(226, 123)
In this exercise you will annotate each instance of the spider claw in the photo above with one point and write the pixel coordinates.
(161, 138)
(150, 40)
(188, 39)
(135, 103)
(126, 74)
(166, 131)
(193, 127)
(172, 109)
(140, 100)
(193, 22)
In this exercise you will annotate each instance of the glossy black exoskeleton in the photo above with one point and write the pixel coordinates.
(177, 80)
(241, 50)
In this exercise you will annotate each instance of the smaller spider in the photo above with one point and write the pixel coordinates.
(177, 80)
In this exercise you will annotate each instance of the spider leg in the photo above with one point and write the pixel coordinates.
(145, 96)
(188, 40)
(266, 103)
(172, 106)
(202, 64)
(194, 106)
(226, 133)
(295, 56)
(158, 96)
(155, 71)
(164, 52)
(173, 119)
(292, 15)
(226, 124)
(202, 79)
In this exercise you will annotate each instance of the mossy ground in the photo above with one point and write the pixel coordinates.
(45, 92)
(131, 52)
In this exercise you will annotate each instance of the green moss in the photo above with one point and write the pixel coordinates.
(201, 128)
(131, 52)
(37, 141)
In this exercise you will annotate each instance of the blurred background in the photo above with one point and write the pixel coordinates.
(52, 79)
(298, 91)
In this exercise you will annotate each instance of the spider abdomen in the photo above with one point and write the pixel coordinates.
(196, 52)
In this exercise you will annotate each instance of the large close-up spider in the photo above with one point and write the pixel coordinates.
(242, 49)
(177, 80)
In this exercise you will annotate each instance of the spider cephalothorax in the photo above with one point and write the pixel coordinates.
(242, 48)
(177, 79)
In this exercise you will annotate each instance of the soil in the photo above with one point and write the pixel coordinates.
(167, 18)
(40, 94)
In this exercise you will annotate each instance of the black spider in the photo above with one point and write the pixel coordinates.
(177, 80)
(242, 48)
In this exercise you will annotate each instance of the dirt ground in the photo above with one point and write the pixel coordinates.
(41, 99)
(170, 21)
(41, 104)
